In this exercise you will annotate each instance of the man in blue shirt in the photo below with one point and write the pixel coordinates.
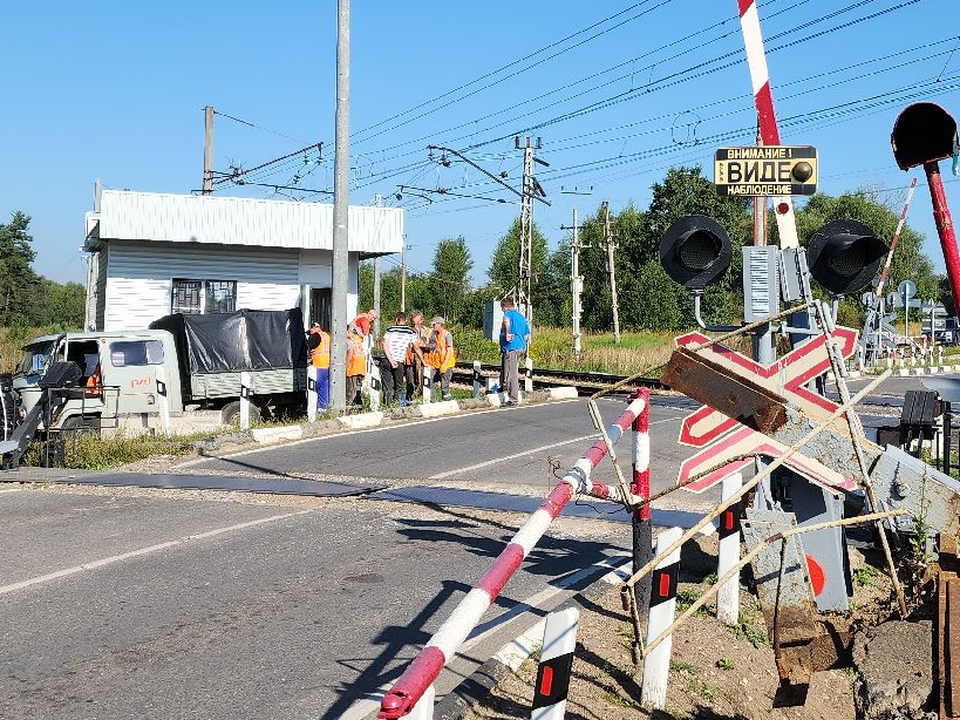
(514, 340)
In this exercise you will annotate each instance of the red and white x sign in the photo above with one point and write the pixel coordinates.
(731, 440)
(787, 377)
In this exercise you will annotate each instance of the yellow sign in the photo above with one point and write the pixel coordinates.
(758, 171)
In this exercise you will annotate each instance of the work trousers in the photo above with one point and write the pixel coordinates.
(443, 378)
(323, 388)
(354, 383)
(393, 383)
(510, 374)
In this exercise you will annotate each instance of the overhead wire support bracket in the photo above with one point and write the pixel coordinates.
(489, 174)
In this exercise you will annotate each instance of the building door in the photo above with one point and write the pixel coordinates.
(320, 307)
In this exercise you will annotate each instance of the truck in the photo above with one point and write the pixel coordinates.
(192, 364)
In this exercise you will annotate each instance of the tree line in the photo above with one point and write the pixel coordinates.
(648, 299)
(28, 299)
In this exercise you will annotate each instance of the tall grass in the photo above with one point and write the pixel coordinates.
(552, 348)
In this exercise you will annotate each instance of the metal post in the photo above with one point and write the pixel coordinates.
(244, 401)
(341, 200)
(525, 254)
(163, 401)
(947, 432)
(948, 237)
(576, 286)
(312, 393)
(556, 660)
(640, 487)
(376, 282)
(728, 596)
(208, 113)
(663, 605)
(477, 379)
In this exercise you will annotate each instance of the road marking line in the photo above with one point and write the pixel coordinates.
(10, 490)
(142, 551)
(488, 463)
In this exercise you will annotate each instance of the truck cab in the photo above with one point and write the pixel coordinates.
(119, 375)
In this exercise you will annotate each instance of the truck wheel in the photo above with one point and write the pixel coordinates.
(230, 413)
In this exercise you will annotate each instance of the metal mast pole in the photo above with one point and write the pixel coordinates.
(611, 268)
(525, 275)
(341, 188)
(208, 150)
(403, 278)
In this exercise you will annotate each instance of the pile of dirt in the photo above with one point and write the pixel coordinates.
(716, 672)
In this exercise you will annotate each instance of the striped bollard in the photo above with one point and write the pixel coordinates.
(477, 379)
(376, 384)
(728, 596)
(640, 487)
(528, 374)
(245, 401)
(312, 393)
(663, 605)
(163, 401)
(427, 384)
(556, 661)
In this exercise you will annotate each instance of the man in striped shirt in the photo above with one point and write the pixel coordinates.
(396, 340)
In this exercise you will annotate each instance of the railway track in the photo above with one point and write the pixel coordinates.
(586, 382)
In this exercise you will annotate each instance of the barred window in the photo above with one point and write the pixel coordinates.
(204, 297)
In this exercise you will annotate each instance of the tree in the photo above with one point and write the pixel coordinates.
(909, 262)
(504, 266)
(19, 284)
(451, 276)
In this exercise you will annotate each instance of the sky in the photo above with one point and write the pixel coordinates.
(614, 93)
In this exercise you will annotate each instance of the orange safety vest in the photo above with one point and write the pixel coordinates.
(356, 360)
(320, 355)
(443, 357)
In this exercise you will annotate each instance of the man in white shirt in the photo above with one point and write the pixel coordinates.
(396, 340)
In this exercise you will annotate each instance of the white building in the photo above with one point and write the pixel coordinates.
(153, 254)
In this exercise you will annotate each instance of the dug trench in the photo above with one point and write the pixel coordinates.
(729, 673)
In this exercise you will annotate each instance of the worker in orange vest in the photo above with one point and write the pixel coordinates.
(356, 365)
(440, 355)
(319, 346)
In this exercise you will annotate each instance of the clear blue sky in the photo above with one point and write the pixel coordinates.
(116, 90)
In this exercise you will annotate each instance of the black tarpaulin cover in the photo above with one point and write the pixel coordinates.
(244, 340)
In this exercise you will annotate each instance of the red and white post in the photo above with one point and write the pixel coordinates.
(728, 595)
(640, 487)
(763, 98)
(663, 606)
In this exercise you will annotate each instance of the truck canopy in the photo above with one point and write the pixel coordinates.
(245, 340)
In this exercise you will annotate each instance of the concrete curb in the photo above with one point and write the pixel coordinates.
(438, 409)
(458, 703)
(275, 434)
(361, 421)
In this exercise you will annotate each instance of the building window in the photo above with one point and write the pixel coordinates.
(204, 297)
(136, 352)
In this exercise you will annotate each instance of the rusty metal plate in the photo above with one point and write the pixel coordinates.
(747, 402)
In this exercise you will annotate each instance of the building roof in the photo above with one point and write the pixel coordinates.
(126, 215)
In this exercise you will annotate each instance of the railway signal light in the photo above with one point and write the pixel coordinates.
(695, 251)
(844, 256)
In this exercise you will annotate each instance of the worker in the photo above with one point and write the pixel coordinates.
(413, 362)
(363, 323)
(319, 346)
(514, 341)
(441, 355)
(396, 346)
(356, 366)
(95, 382)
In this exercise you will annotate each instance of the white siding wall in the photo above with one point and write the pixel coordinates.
(140, 276)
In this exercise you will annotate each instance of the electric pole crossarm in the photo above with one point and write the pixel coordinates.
(472, 164)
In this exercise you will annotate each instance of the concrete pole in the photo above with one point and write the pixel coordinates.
(611, 268)
(341, 200)
(403, 278)
(208, 150)
(376, 283)
(576, 286)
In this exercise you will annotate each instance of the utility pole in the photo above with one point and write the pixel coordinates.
(525, 274)
(208, 150)
(532, 190)
(576, 280)
(341, 200)
(403, 278)
(376, 282)
(611, 268)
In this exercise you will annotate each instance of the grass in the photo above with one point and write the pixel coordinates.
(725, 663)
(12, 339)
(865, 576)
(89, 452)
(552, 348)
